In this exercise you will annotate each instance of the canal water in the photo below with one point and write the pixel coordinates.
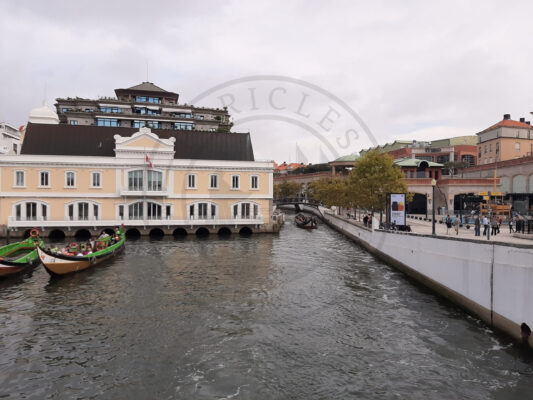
(299, 315)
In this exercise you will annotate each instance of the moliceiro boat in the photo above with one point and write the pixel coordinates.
(305, 222)
(21, 256)
(79, 256)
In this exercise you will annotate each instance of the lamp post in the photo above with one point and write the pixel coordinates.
(433, 184)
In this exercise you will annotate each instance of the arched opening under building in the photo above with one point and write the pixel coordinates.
(82, 234)
(224, 231)
(245, 231)
(57, 235)
(133, 233)
(418, 205)
(26, 234)
(157, 233)
(202, 232)
(109, 231)
(179, 232)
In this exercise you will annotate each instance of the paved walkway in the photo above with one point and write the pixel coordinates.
(425, 228)
(441, 230)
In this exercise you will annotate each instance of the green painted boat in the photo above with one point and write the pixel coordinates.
(19, 257)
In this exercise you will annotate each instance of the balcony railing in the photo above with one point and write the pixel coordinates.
(12, 222)
(145, 191)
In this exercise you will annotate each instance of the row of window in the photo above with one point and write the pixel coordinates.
(88, 210)
(136, 179)
(145, 99)
(70, 179)
(113, 122)
(213, 181)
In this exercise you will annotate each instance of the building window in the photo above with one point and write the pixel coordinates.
(73, 122)
(186, 126)
(121, 212)
(135, 180)
(203, 210)
(485, 152)
(517, 146)
(44, 179)
(135, 211)
(20, 178)
(411, 174)
(83, 211)
(15, 148)
(155, 100)
(95, 211)
(490, 148)
(469, 159)
(169, 212)
(44, 213)
(153, 210)
(107, 122)
(246, 210)
(155, 180)
(199, 117)
(111, 110)
(191, 181)
(212, 129)
(491, 160)
(254, 182)
(31, 211)
(235, 182)
(213, 181)
(96, 179)
(70, 179)
(140, 99)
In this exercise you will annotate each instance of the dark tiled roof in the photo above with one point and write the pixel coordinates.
(147, 87)
(88, 140)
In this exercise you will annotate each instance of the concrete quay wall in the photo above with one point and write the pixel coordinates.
(491, 280)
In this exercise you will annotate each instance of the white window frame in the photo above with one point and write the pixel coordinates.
(93, 173)
(40, 180)
(195, 181)
(218, 182)
(195, 205)
(66, 180)
(90, 211)
(38, 211)
(252, 180)
(239, 210)
(23, 178)
(238, 181)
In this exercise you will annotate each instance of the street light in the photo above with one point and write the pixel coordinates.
(433, 184)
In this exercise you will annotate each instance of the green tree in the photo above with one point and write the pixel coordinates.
(454, 166)
(286, 190)
(372, 178)
(330, 191)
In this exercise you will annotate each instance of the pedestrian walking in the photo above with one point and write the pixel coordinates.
(477, 226)
(494, 227)
(456, 223)
(448, 224)
(485, 225)
(511, 223)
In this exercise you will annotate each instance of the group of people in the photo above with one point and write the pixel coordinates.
(493, 225)
(517, 224)
(455, 223)
(367, 220)
(91, 246)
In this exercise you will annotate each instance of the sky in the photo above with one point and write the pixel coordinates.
(310, 80)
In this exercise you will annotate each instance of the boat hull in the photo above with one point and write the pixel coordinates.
(62, 265)
(16, 268)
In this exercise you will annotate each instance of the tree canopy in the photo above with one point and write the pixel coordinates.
(286, 190)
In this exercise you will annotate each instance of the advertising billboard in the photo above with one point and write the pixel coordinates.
(397, 208)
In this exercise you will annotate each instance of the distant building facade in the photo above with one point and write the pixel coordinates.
(10, 139)
(505, 140)
(139, 106)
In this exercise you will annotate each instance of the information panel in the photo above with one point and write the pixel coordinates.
(397, 208)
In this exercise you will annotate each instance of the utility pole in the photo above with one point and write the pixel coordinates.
(490, 218)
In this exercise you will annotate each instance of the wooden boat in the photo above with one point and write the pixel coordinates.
(305, 222)
(75, 257)
(20, 256)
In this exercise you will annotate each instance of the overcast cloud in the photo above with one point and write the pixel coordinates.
(411, 69)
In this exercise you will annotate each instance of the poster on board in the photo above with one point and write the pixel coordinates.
(397, 208)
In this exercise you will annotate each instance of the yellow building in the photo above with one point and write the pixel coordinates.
(69, 178)
(505, 140)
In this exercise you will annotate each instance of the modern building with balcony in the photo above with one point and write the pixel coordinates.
(139, 106)
(70, 178)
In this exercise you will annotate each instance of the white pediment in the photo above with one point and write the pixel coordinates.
(142, 143)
